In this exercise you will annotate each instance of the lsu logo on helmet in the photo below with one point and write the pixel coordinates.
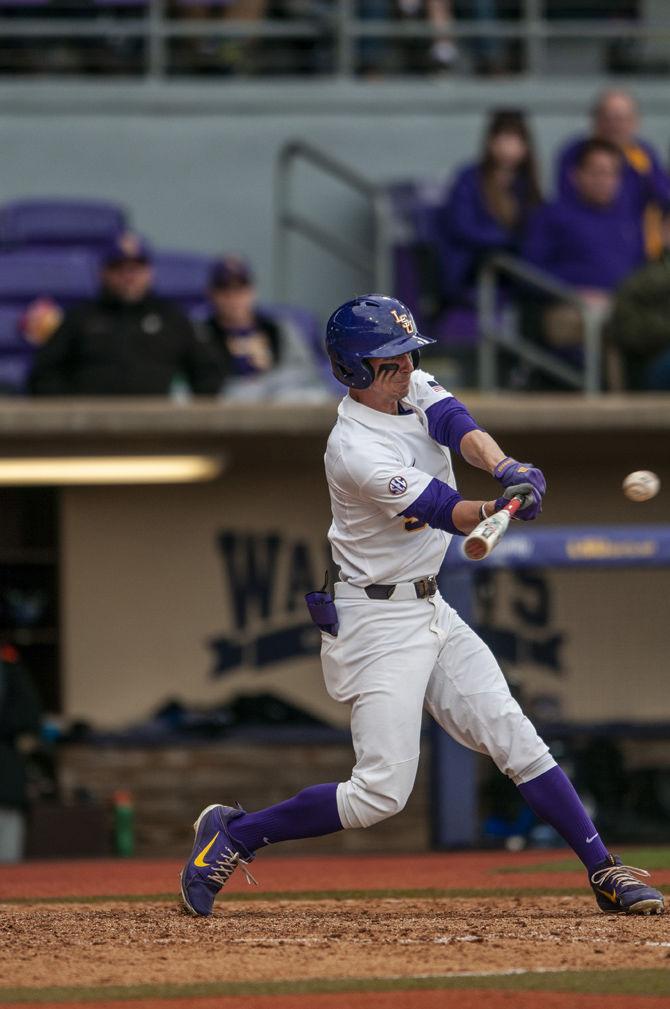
(404, 321)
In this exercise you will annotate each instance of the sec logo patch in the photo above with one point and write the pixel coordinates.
(398, 485)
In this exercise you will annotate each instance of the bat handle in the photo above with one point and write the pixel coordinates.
(484, 537)
(512, 507)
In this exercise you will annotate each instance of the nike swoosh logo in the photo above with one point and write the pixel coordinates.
(199, 860)
(589, 839)
(610, 896)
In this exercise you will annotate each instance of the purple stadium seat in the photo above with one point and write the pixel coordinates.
(12, 340)
(418, 251)
(14, 371)
(414, 206)
(403, 197)
(89, 223)
(406, 282)
(65, 275)
(456, 327)
(182, 277)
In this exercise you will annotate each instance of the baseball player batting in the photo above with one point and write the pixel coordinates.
(391, 646)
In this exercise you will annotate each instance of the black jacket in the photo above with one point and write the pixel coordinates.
(19, 714)
(108, 347)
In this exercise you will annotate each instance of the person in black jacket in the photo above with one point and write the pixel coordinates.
(127, 342)
(19, 718)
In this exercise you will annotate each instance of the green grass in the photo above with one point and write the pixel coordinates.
(296, 895)
(621, 982)
(646, 858)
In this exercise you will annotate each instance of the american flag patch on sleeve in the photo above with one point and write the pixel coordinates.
(436, 387)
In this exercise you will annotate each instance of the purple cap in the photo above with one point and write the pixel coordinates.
(231, 271)
(126, 248)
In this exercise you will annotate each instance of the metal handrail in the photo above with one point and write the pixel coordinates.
(374, 261)
(492, 337)
(98, 22)
(336, 22)
(163, 27)
(542, 29)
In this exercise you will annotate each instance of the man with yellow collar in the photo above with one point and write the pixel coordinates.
(645, 184)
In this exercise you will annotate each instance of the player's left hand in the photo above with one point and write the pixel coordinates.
(512, 474)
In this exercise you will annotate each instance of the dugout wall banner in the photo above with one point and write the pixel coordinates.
(196, 593)
(193, 592)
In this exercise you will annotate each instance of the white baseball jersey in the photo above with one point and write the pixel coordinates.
(377, 464)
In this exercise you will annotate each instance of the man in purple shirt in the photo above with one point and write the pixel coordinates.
(645, 185)
(585, 237)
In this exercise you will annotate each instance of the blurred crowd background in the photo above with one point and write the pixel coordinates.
(89, 307)
(285, 37)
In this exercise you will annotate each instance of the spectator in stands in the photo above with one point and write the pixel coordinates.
(638, 332)
(413, 55)
(263, 355)
(40, 320)
(585, 239)
(489, 202)
(127, 342)
(212, 52)
(645, 184)
(19, 723)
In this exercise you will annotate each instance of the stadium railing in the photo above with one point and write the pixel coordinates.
(494, 337)
(375, 263)
(497, 331)
(152, 22)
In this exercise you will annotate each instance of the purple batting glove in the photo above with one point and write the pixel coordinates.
(511, 473)
(529, 511)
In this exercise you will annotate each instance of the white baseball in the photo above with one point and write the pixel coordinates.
(642, 485)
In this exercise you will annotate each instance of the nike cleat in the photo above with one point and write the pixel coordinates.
(619, 888)
(213, 860)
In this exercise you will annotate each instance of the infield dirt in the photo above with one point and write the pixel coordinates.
(45, 945)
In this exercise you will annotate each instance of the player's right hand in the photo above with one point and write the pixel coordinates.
(512, 473)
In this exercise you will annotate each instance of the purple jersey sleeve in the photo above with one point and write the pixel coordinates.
(448, 420)
(435, 506)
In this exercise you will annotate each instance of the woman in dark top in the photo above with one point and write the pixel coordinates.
(489, 201)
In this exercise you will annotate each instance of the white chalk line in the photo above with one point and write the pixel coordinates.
(508, 972)
(439, 940)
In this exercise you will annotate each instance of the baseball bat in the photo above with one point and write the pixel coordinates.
(490, 531)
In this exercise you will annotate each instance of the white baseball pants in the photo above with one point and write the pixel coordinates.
(395, 657)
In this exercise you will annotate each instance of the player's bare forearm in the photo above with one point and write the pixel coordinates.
(467, 514)
(481, 450)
